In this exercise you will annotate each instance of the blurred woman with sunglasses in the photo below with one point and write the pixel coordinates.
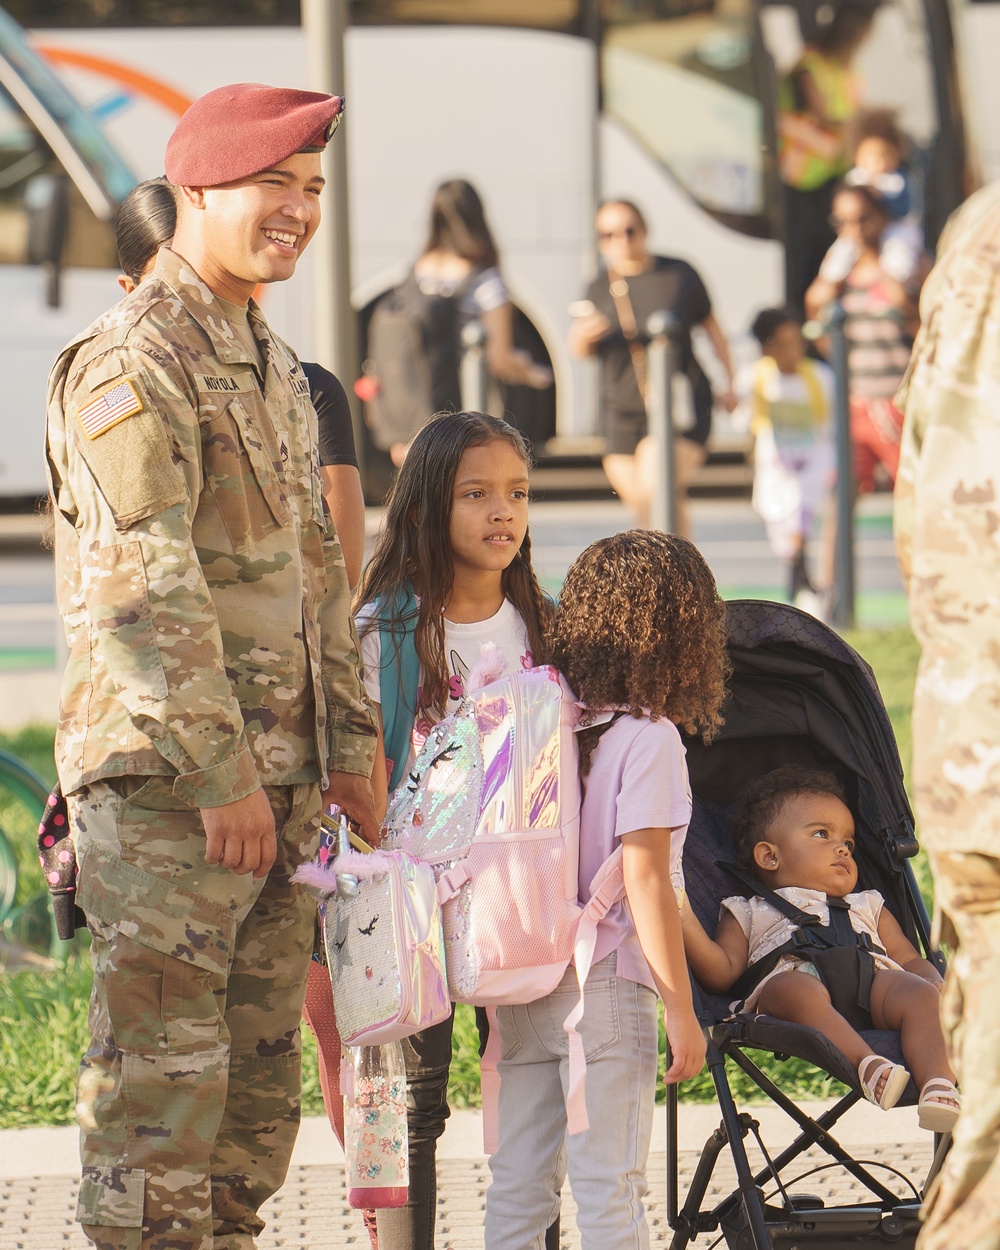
(611, 325)
(881, 321)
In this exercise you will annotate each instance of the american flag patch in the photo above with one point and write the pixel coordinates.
(108, 409)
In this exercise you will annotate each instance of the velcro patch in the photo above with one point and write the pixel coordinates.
(227, 384)
(110, 407)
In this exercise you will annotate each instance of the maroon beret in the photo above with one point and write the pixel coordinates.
(239, 130)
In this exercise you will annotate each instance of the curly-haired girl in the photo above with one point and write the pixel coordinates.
(639, 635)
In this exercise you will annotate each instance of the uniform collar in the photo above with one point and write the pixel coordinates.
(203, 306)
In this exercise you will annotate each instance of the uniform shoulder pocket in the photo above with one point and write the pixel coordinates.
(127, 447)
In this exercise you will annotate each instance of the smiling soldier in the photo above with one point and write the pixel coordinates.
(212, 690)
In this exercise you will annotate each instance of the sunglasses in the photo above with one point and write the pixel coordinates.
(628, 232)
(838, 223)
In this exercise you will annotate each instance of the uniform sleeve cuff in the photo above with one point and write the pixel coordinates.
(351, 753)
(233, 779)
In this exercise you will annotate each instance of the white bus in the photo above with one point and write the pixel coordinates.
(546, 105)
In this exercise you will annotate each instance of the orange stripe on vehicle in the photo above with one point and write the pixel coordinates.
(156, 90)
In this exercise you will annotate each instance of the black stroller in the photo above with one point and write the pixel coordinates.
(799, 695)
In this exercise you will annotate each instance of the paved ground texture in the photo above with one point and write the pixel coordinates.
(311, 1211)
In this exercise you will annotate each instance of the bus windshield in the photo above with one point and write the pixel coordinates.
(684, 77)
(103, 162)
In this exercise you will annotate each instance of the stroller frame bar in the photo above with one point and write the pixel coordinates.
(889, 1220)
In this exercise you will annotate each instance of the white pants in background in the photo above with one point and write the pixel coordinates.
(791, 486)
(607, 1164)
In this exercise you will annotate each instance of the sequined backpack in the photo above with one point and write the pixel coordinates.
(492, 804)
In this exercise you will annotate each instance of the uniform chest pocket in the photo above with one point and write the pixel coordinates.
(239, 471)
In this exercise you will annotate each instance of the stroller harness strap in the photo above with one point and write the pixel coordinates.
(842, 956)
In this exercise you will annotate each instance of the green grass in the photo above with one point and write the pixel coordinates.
(18, 821)
(43, 1015)
(43, 1033)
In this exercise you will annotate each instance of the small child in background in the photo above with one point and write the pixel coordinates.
(794, 831)
(880, 151)
(787, 404)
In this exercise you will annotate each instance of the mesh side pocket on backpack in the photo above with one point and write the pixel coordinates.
(513, 913)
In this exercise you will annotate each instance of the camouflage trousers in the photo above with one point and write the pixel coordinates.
(188, 1098)
(963, 1204)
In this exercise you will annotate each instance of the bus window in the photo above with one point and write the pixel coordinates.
(23, 159)
(26, 164)
(67, 14)
(685, 78)
(560, 15)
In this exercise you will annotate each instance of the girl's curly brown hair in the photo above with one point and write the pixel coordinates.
(640, 624)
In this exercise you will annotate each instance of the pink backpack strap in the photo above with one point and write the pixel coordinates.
(607, 887)
(450, 882)
(490, 1082)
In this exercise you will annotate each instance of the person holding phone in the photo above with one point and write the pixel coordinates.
(610, 324)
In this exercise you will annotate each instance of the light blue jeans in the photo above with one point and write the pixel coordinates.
(607, 1164)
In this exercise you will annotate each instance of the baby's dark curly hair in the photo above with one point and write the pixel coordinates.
(640, 624)
(764, 800)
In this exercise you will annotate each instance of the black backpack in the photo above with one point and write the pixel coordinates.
(414, 355)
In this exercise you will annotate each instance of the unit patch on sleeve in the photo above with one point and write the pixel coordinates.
(110, 407)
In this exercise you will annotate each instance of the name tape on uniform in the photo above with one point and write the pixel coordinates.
(110, 407)
(226, 384)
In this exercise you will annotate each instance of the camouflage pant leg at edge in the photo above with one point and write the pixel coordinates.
(963, 1205)
(153, 1085)
(267, 985)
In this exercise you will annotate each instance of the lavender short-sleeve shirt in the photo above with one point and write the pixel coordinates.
(638, 780)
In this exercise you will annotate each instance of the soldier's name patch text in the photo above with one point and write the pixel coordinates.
(217, 384)
(108, 408)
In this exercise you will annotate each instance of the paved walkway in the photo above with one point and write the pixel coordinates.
(38, 1179)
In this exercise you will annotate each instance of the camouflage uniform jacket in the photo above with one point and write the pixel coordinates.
(947, 526)
(199, 578)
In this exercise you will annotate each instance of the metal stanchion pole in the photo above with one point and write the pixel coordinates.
(842, 614)
(336, 329)
(473, 376)
(661, 328)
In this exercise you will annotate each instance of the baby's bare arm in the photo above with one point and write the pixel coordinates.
(901, 950)
(715, 962)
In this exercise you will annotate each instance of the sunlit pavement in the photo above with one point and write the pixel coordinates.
(38, 1179)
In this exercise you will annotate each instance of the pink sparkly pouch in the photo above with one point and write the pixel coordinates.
(385, 948)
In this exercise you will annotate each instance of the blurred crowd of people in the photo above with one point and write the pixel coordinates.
(854, 236)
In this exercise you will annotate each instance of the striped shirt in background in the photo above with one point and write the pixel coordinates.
(878, 344)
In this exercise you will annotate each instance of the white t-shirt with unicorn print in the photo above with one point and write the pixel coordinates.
(463, 643)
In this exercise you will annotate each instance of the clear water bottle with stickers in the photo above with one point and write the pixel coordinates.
(375, 1139)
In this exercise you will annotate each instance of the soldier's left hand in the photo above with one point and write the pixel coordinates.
(353, 794)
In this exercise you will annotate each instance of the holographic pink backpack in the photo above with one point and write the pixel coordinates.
(492, 804)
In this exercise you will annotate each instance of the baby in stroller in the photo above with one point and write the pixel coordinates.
(808, 950)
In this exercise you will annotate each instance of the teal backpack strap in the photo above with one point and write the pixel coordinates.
(399, 678)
